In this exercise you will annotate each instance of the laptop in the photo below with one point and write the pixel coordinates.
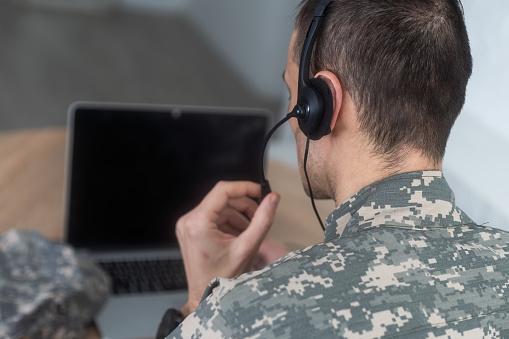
(132, 171)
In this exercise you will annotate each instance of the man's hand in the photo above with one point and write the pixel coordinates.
(221, 236)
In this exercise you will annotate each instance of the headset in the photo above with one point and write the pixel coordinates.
(314, 102)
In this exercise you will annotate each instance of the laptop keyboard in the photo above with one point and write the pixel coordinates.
(145, 276)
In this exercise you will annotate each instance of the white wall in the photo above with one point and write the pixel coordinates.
(477, 156)
(488, 28)
(154, 6)
(252, 35)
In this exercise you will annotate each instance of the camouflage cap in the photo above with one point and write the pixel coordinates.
(46, 291)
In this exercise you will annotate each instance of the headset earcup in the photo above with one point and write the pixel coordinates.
(322, 90)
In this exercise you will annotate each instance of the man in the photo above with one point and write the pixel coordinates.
(398, 257)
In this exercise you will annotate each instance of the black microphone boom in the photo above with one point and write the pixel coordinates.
(264, 182)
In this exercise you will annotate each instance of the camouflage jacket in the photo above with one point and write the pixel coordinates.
(399, 259)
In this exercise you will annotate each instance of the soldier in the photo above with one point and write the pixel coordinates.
(399, 258)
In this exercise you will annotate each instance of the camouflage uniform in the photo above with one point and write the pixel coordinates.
(46, 291)
(398, 259)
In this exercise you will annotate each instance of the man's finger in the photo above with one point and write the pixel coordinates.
(252, 237)
(244, 205)
(233, 218)
(223, 191)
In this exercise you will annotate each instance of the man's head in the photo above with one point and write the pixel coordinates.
(405, 64)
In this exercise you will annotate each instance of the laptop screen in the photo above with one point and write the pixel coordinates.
(133, 171)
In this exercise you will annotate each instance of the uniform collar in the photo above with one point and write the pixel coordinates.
(416, 200)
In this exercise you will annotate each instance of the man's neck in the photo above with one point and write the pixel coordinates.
(359, 172)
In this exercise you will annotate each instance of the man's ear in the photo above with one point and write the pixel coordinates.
(337, 94)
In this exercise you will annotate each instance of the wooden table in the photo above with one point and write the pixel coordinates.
(32, 166)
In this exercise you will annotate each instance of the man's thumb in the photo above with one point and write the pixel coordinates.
(262, 221)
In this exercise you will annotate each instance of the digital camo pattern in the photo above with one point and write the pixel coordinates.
(45, 290)
(399, 259)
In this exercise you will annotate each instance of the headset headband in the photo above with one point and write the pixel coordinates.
(309, 42)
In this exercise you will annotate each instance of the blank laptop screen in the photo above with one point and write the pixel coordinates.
(134, 172)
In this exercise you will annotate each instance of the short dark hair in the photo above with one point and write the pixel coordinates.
(406, 64)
